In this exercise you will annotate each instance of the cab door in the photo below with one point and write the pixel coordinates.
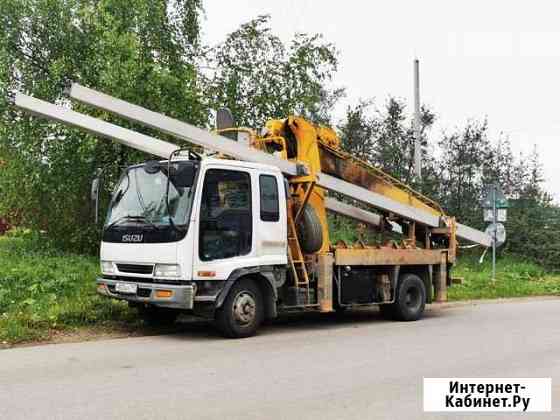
(225, 227)
(271, 219)
(240, 221)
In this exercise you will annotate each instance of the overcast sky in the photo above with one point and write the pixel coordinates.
(499, 59)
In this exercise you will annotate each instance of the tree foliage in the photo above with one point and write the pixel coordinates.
(258, 77)
(384, 138)
(137, 50)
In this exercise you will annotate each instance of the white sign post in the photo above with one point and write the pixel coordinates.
(494, 207)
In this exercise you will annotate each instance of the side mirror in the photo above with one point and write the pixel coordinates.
(224, 120)
(94, 196)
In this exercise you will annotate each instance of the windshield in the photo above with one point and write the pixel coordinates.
(140, 198)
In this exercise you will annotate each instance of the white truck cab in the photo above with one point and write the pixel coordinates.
(178, 234)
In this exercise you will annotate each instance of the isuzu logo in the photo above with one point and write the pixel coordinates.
(132, 238)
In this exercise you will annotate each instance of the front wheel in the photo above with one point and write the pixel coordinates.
(410, 302)
(242, 312)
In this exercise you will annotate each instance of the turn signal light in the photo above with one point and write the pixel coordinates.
(206, 274)
(164, 293)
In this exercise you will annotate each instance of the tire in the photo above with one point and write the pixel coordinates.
(310, 231)
(156, 316)
(242, 311)
(410, 302)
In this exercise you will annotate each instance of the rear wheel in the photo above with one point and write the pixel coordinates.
(242, 312)
(410, 302)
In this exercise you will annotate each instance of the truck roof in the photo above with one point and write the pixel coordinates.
(234, 163)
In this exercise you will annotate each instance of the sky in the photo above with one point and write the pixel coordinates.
(495, 59)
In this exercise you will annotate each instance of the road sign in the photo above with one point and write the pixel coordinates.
(495, 206)
(501, 215)
(500, 232)
(494, 192)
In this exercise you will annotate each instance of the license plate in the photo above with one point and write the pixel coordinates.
(128, 288)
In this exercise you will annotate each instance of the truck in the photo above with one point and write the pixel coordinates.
(238, 232)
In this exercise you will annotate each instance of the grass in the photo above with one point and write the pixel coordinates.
(514, 278)
(44, 292)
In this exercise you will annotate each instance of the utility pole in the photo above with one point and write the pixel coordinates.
(495, 233)
(417, 125)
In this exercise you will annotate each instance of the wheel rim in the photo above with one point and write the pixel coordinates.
(244, 308)
(412, 298)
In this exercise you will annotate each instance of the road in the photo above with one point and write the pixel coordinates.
(314, 367)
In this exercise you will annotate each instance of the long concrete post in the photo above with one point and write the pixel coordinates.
(417, 122)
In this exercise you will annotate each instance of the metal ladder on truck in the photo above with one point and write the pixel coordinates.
(296, 258)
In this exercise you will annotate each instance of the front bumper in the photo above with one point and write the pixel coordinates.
(182, 296)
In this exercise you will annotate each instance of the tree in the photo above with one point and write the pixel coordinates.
(142, 51)
(461, 171)
(384, 138)
(533, 218)
(258, 78)
(359, 131)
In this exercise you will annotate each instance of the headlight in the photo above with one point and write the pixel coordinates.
(107, 267)
(167, 270)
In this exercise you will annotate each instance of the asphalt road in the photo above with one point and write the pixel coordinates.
(312, 367)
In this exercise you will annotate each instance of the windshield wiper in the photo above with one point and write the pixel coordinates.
(137, 218)
(120, 194)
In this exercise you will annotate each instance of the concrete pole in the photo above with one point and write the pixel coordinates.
(495, 233)
(417, 122)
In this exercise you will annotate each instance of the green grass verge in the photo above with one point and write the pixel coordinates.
(514, 278)
(43, 291)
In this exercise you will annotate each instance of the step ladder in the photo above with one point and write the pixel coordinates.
(296, 257)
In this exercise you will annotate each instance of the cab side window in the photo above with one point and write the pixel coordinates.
(270, 210)
(226, 223)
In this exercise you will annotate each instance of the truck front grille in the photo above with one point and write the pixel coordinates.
(143, 279)
(135, 268)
